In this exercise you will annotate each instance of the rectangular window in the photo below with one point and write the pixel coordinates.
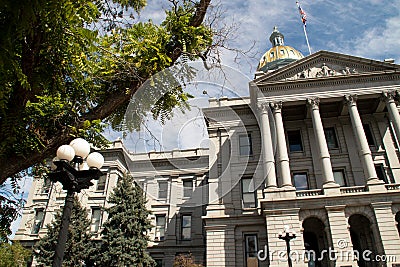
(380, 172)
(37, 224)
(101, 183)
(369, 135)
(162, 189)
(187, 187)
(96, 219)
(245, 145)
(300, 181)
(46, 186)
(248, 193)
(339, 177)
(294, 140)
(159, 262)
(330, 136)
(160, 227)
(186, 227)
(251, 250)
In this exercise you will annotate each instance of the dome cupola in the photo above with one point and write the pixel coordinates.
(279, 55)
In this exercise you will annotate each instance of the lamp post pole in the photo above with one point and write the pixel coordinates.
(70, 170)
(287, 235)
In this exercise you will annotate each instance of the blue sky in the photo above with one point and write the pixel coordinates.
(366, 28)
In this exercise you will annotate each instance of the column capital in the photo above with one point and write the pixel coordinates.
(263, 107)
(389, 96)
(276, 106)
(350, 99)
(313, 102)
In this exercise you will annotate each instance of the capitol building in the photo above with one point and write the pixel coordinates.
(312, 153)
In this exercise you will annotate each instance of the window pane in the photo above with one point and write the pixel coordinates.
(101, 184)
(339, 177)
(46, 186)
(186, 220)
(368, 134)
(331, 139)
(96, 217)
(380, 172)
(294, 138)
(248, 194)
(300, 181)
(187, 188)
(160, 226)
(251, 246)
(245, 145)
(39, 216)
(186, 233)
(186, 226)
(162, 189)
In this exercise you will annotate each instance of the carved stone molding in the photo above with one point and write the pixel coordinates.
(263, 107)
(276, 106)
(313, 102)
(390, 96)
(350, 99)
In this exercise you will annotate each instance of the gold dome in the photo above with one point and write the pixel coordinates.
(280, 53)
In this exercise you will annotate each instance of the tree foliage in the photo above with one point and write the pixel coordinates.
(79, 246)
(124, 237)
(185, 261)
(13, 255)
(69, 68)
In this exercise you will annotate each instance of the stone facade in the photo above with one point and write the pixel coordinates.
(313, 150)
(323, 161)
(174, 183)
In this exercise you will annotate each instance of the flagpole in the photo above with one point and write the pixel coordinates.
(303, 17)
(305, 33)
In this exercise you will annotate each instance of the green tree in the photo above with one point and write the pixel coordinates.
(124, 237)
(70, 67)
(79, 246)
(13, 255)
(185, 261)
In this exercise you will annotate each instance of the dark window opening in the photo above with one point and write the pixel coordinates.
(295, 143)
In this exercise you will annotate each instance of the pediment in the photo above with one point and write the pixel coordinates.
(324, 64)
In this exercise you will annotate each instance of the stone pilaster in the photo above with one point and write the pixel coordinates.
(341, 240)
(276, 221)
(387, 228)
(220, 243)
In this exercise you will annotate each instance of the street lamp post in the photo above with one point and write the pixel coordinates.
(287, 235)
(74, 174)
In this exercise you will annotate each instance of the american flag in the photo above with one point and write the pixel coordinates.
(303, 14)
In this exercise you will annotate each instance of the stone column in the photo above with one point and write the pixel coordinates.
(386, 223)
(267, 146)
(394, 116)
(361, 139)
(341, 240)
(325, 158)
(282, 157)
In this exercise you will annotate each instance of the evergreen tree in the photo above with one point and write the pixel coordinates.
(79, 246)
(124, 237)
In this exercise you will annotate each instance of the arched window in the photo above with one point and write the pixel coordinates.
(315, 241)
